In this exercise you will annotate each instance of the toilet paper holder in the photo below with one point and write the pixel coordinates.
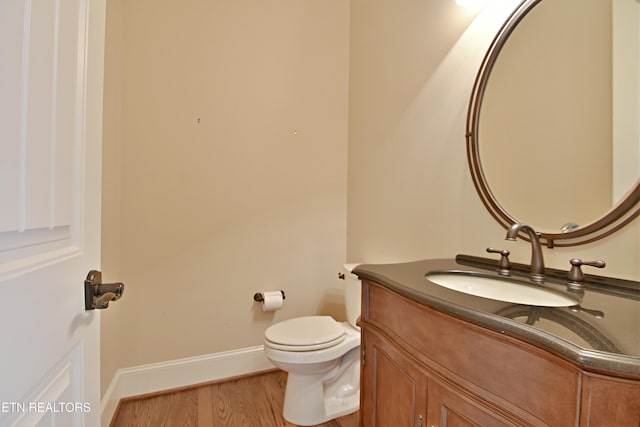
(259, 297)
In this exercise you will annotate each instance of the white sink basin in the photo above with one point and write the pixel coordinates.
(501, 289)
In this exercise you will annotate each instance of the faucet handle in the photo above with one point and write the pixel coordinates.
(504, 266)
(576, 275)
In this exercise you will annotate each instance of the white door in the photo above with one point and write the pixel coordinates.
(51, 65)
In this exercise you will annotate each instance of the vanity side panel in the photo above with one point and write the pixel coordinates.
(608, 401)
(541, 387)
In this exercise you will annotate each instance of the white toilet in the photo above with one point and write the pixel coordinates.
(322, 357)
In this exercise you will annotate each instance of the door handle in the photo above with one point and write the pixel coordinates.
(99, 295)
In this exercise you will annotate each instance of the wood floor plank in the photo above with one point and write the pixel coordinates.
(272, 387)
(221, 407)
(254, 401)
(205, 414)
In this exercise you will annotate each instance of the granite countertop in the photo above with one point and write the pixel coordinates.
(602, 332)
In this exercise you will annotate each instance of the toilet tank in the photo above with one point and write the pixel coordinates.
(352, 294)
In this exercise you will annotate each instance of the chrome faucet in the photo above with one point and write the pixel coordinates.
(537, 262)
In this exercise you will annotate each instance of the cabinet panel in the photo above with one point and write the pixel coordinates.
(610, 402)
(394, 389)
(448, 408)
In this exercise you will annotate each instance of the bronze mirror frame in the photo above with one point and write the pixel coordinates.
(618, 217)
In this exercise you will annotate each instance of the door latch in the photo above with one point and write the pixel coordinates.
(99, 295)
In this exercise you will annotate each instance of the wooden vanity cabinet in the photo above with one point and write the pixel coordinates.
(422, 367)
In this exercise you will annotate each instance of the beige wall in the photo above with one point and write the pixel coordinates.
(113, 355)
(225, 171)
(200, 215)
(626, 103)
(410, 193)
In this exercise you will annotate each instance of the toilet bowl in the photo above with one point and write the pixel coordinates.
(322, 359)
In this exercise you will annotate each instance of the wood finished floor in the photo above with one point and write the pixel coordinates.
(254, 401)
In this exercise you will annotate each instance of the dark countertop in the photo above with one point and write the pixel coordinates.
(609, 343)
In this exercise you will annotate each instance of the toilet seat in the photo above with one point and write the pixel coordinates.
(304, 359)
(313, 347)
(305, 334)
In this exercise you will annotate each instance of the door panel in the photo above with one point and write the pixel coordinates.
(51, 53)
(41, 125)
(56, 402)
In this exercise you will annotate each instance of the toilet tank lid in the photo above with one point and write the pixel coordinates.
(308, 330)
(349, 267)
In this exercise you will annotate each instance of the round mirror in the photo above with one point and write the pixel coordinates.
(553, 136)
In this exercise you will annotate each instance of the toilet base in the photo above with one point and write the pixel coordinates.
(315, 399)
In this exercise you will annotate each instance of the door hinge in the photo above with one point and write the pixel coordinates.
(364, 355)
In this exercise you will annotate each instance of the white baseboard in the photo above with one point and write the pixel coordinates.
(161, 376)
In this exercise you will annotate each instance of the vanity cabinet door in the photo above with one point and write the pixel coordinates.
(449, 408)
(394, 388)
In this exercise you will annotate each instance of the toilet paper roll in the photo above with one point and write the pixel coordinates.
(272, 300)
